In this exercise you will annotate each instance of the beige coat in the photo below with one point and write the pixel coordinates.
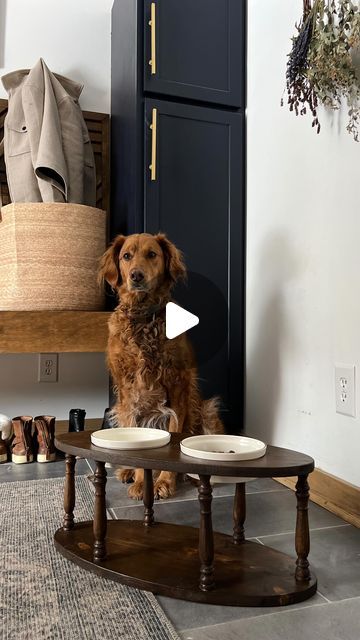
(48, 153)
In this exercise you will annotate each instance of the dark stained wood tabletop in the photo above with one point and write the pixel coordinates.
(276, 462)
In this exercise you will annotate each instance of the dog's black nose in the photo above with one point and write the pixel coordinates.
(136, 275)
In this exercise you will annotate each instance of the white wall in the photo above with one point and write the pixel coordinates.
(83, 383)
(303, 270)
(73, 37)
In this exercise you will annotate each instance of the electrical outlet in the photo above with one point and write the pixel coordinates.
(345, 389)
(48, 367)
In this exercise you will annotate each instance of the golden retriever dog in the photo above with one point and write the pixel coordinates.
(155, 378)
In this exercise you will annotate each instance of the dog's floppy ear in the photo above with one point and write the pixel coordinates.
(174, 264)
(109, 269)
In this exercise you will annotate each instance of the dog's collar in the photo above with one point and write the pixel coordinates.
(151, 313)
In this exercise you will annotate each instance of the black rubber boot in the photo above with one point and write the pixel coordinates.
(77, 420)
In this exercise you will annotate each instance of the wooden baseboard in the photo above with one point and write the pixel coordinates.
(335, 495)
(62, 426)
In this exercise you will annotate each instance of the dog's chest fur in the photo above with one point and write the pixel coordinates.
(142, 348)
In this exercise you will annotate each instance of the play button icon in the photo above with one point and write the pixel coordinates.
(178, 320)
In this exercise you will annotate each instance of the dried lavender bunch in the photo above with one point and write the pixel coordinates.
(320, 68)
(300, 90)
(298, 57)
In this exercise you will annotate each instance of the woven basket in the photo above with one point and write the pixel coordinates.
(49, 255)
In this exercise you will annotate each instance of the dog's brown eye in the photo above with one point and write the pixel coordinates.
(126, 256)
(151, 254)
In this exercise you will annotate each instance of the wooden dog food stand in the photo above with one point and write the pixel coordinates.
(181, 561)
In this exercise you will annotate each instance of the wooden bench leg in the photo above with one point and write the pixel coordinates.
(148, 498)
(206, 539)
(100, 521)
(69, 492)
(239, 514)
(302, 535)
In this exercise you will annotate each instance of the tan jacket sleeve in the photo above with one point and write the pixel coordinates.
(42, 120)
(22, 182)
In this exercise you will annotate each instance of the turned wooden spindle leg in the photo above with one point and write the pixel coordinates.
(100, 522)
(148, 498)
(69, 492)
(206, 540)
(239, 513)
(302, 535)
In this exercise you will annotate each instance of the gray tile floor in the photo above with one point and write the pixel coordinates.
(332, 614)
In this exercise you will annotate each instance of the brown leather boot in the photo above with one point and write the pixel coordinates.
(21, 446)
(45, 432)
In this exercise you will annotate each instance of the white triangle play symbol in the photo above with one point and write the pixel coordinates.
(178, 320)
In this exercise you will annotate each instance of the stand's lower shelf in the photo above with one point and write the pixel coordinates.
(163, 558)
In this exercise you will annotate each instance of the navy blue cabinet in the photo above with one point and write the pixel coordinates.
(193, 188)
(195, 49)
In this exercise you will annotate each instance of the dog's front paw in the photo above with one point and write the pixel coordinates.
(125, 475)
(136, 491)
(164, 488)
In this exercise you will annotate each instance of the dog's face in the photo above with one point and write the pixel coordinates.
(142, 263)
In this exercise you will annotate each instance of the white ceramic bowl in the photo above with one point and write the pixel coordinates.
(223, 448)
(130, 438)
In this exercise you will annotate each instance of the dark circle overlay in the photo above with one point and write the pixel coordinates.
(203, 298)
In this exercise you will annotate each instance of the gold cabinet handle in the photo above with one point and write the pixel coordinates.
(152, 23)
(153, 128)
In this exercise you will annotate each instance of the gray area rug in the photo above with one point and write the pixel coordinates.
(42, 595)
